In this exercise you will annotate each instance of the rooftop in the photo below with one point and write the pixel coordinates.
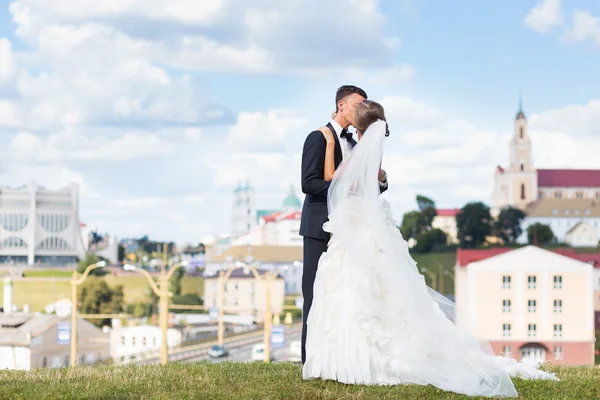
(584, 178)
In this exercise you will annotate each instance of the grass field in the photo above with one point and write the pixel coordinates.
(38, 294)
(436, 263)
(251, 381)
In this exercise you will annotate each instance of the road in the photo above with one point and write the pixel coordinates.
(244, 353)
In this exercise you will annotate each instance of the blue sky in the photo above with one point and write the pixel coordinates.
(157, 111)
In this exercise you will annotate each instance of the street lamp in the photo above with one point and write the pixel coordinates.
(268, 277)
(162, 291)
(431, 275)
(74, 283)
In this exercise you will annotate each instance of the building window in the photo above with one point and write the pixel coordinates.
(522, 191)
(521, 132)
(133, 340)
(153, 341)
(557, 330)
(44, 362)
(597, 195)
(567, 212)
(531, 282)
(122, 339)
(554, 211)
(531, 330)
(579, 195)
(506, 282)
(531, 306)
(587, 212)
(507, 351)
(557, 281)
(522, 167)
(506, 306)
(506, 330)
(558, 353)
(557, 306)
(558, 195)
(144, 341)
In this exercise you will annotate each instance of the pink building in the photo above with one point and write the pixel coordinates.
(529, 303)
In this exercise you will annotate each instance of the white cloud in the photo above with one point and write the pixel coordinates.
(7, 113)
(261, 36)
(585, 27)
(73, 145)
(258, 131)
(577, 120)
(6, 60)
(404, 109)
(545, 15)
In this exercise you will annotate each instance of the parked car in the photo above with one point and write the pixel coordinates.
(218, 351)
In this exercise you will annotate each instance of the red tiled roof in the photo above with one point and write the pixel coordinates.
(447, 212)
(568, 177)
(283, 216)
(465, 257)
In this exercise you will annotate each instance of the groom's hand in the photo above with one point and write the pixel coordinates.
(382, 176)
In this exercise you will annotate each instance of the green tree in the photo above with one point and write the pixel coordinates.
(429, 239)
(508, 225)
(121, 255)
(540, 232)
(175, 282)
(97, 297)
(88, 260)
(474, 224)
(410, 224)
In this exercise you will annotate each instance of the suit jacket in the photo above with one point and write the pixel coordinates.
(314, 210)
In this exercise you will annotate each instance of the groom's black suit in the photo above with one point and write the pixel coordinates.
(314, 212)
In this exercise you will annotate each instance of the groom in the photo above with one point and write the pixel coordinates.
(314, 211)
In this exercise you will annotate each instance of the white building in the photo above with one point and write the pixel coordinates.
(42, 341)
(243, 294)
(528, 303)
(582, 235)
(520, 182)
(265, 227)
(40, 226)
(286, 259)
(445, 220)
(562, 215)
(131, 342)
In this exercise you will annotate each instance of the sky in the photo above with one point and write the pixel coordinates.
(159, 108)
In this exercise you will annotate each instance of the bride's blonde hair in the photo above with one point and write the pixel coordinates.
(366, 113)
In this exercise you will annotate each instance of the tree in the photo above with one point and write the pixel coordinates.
(541, 233)
(88, 260)
(409, 225)
(97, 297)
(474, 224)
(429, 239)
(121, 253)
(416, 223)
(175, 282)
(508, 226)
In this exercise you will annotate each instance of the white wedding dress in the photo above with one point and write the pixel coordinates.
(373, 320)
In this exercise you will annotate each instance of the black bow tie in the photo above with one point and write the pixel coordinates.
(346, 135)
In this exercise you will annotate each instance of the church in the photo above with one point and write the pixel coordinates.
(560, 198)
(264, 227)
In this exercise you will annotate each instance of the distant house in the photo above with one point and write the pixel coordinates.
(445, 220)
(582, 235)
(43, 341)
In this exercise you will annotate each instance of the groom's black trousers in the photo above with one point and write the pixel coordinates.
(313, 248)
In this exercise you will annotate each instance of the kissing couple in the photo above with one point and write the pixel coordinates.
(369, 318)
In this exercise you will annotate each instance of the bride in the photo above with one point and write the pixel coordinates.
(373, 320)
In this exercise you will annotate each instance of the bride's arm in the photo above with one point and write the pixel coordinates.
(329, 168)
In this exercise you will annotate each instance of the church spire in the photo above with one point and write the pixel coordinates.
(520, 114)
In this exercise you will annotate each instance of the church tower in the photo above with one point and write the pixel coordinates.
(243, 211)
(516, 185)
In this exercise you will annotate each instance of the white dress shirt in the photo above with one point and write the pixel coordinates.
(344, 144)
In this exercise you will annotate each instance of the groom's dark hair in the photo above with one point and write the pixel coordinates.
(347, 90)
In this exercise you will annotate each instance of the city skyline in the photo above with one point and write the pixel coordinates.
(158, 112)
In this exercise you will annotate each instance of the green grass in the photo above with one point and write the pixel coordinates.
(251, 381)
(48, 273)
(436, 263)
(38, 294)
